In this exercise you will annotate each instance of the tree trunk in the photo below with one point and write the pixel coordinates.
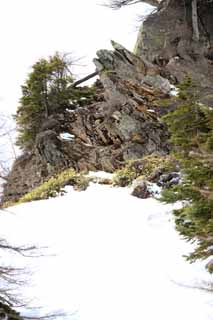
(195, 27)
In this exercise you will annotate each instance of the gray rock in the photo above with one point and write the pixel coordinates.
(127, 125)
(169, 179)
(165, 39)
(117, 128)
(209, 266)
(50, 149)
(141, 190)
(158, 82)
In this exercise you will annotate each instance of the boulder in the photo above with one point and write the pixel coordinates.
(140, 189)
(209, 266)
(169, 179)
(158, 82)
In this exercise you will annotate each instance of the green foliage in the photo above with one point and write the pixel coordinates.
(6, 308)
(143, 167)
(124, 177)
(48, 89)
(55, 185)
(191, 127)
(183, 192)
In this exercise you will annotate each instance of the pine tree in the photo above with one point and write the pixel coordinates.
(48, 89)
(191, 127)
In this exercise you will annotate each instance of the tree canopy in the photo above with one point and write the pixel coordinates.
(191, 128)
(48, 89)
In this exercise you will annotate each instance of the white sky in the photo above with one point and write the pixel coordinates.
(31, 29)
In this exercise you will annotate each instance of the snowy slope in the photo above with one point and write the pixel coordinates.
(114, 257)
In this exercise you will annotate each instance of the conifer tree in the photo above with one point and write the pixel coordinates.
(48, 89)
(191, 127)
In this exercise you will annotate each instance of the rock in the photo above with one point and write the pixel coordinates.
(105, 181)
(209, 266)
(106, 133)
(50, 149)
(165, 39)
(169, 179)
(155, 176)
(158, 82)
(140, 190)
(27, 172)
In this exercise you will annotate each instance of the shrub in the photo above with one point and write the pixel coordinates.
(54, 186)
(191, 127)
(143, 167)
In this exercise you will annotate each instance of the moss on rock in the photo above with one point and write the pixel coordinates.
(146, 168)
(54, 186)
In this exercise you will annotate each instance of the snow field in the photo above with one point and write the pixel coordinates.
(110, 256)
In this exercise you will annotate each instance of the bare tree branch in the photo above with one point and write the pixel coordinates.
(7, 145)
(117, 4)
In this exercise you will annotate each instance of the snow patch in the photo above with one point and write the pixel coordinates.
(154, 189)
(67, 136)
(174, 91)
(70, 110)
(100, 174)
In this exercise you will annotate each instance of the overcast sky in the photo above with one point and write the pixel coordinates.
(31, 29)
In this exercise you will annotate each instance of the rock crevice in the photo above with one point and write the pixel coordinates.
(120, 126)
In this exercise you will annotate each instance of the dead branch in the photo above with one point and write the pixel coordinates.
(90, 76)
(20, 250)
(117, 4)
(207, 288)
(3, 177)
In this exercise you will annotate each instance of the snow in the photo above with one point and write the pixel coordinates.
(154, 189)
(66, 136)
(174, 91)
(100, 174)
(70, 111)
(110, 256)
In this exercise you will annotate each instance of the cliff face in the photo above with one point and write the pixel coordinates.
(122, 124)
(168, 40)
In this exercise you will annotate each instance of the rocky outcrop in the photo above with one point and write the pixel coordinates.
(167, 39)
(120, 126)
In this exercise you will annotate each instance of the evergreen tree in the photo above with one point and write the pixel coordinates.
(191, 127)
(48, 89)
